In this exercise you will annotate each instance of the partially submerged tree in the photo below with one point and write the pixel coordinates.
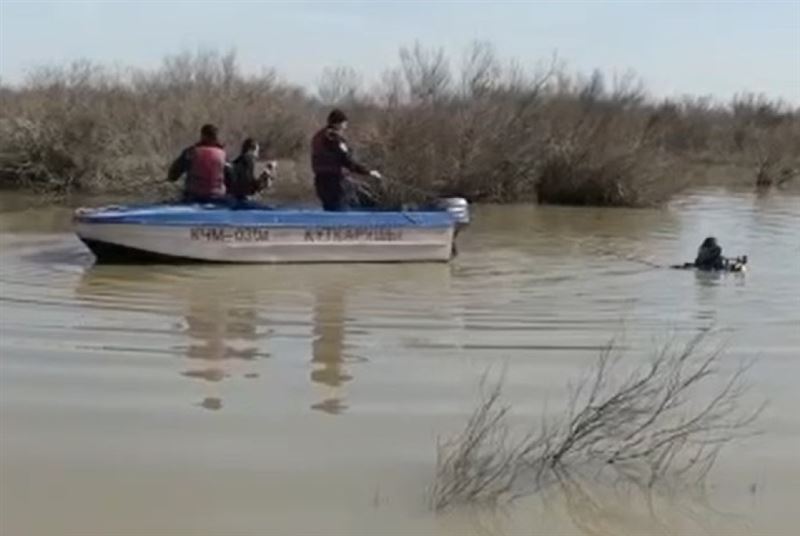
(663, 423)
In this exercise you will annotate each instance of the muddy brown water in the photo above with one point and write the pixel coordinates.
(309, 399)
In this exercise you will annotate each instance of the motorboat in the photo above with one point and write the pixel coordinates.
(224, 234)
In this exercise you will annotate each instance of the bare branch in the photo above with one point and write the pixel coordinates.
(665, 422)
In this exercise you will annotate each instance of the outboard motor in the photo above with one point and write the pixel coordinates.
(457, 207)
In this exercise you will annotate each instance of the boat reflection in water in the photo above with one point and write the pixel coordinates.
(328, 348)
(223, 340)
(351, 315)
(218, 331)
(217, 320)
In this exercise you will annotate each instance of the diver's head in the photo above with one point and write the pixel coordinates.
(709, 242)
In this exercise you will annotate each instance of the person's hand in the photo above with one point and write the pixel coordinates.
(375, 174)
(272, 166)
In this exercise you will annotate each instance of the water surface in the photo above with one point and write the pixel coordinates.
(308, 399)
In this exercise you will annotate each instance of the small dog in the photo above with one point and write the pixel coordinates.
(267, 175)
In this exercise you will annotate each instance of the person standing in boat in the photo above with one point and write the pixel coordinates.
(332, 160)
(205, 167)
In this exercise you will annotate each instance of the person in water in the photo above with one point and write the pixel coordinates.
(332, 160)
(205, 167)
(242, 182)
(709, 258)
(709, 255)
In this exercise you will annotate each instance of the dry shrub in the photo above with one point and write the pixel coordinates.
(604, 148)
(88, 128)
(481, 128)
(632, 178)
(766, 132)
(660, 424)
(471, 134)
(479, 464)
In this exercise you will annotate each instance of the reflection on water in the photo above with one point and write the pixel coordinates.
(325, 383)
(221, 331)
(211, 402)
(328, 348)
(633, 510)
(223, 337)
(706, 311)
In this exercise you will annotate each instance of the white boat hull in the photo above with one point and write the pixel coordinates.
(259, 244)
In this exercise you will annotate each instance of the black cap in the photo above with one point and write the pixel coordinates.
(336, 117)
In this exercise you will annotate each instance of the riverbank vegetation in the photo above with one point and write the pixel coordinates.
(475, 126)
(660, 425)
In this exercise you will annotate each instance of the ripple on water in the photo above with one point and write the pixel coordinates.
(265, 369)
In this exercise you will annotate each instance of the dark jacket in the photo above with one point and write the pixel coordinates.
(242, 181)
(331, 156)
(709, 257)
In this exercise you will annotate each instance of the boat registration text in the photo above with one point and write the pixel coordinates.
(323, 234)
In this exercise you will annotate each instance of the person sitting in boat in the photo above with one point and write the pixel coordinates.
(709, 258)
(332, 160)
(205, 167)
(243, 182)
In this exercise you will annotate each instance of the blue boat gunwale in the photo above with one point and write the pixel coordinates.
(200, 216)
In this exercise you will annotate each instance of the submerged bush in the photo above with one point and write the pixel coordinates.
(661, 424)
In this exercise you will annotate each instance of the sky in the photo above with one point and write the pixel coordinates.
(717, 48)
